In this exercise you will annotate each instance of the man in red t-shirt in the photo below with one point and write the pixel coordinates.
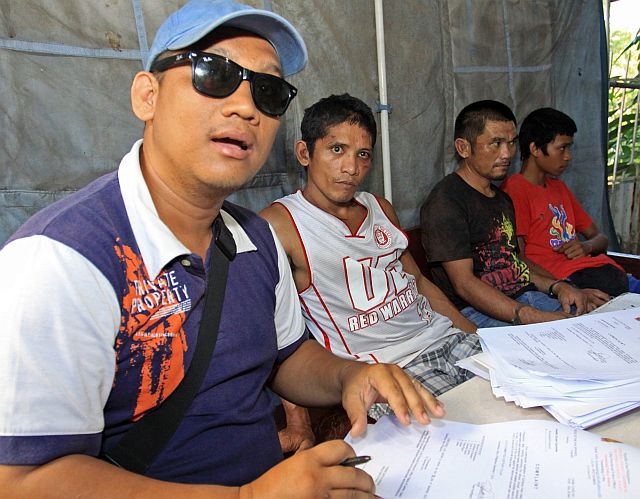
(554, 232)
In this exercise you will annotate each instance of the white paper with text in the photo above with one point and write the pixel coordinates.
(518, 459)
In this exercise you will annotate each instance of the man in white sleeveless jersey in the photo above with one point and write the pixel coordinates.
(108, 291)
(362, 294)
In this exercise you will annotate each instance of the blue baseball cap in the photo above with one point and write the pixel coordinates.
(198, 18)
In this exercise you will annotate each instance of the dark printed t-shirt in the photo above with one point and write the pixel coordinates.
(459, 222)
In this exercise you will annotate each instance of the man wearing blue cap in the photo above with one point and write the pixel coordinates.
(101, 325)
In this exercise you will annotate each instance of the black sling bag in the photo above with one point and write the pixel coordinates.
(142, 443)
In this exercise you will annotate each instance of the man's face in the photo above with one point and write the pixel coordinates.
(339, 164)
(493, 150)
(201, 146)
(558, 155)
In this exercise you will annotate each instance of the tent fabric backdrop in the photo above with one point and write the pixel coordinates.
(67, 66)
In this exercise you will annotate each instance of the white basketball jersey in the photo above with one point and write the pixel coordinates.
(360, 303)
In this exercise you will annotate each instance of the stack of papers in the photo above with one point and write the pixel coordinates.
(621, 302)
(516, 459)
(582, 370)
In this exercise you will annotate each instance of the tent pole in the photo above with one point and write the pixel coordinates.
(384, 108)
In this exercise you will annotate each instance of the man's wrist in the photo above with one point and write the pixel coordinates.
(347, 371)
(587, 247)
(517, 320)
(554, 285)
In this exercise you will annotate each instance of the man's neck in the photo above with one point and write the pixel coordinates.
(351, 213)
(532, 173)
(479, 183)
(189, 219)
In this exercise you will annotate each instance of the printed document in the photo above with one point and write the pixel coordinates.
(518, 459)
(594, 346)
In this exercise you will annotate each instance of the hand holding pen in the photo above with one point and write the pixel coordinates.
(355, 461)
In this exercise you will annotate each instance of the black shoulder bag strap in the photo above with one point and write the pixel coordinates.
(140, 445)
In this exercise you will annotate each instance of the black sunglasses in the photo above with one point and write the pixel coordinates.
(217, 76)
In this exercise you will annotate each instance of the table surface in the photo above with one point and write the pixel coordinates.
(474, 402)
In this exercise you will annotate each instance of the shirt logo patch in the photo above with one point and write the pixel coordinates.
(561, 230)
(424, 309)
(382, 236)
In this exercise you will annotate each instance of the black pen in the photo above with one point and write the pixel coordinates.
(355, 461)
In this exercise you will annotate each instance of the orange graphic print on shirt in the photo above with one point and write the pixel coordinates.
(152, 323)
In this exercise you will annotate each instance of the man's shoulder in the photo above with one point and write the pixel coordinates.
(447, 187)
(82, 214)
(281, 206)
(503, 196)
(371, 200)
(277, 214)
(514, 182)
(449, 181)
(252, 223)
(240, 213)
(557, 184)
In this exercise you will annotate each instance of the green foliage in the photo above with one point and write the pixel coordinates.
(625, 52)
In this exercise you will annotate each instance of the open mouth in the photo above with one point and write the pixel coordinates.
(236, 143)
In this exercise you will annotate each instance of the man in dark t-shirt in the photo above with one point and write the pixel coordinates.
(468, 231)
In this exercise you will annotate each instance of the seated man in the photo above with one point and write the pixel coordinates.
(101, 321)
(362, 294)
(549, 219)
(469, 236)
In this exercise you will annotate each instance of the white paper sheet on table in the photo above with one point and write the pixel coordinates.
(585, 415)
(588, 391)
(620, 302)
(481, 364)
(593, 346)
(518, 459)
(583, 371)
(571, 412)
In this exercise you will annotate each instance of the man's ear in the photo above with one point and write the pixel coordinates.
(535, 151)
(463, 148)
(144, 93)
(302, 153)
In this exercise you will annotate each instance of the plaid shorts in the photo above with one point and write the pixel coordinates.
(436, 367)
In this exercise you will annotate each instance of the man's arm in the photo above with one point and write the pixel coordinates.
(85, 476)
(531, 264)
(439, 301)
(313, 376)
(595, 242)
(318, 471)
(298, 434)
(567, 294)
(279, 218)
(489, 300)
(594, 297)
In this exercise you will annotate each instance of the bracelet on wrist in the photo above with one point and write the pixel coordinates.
(517, 321)
(552, 292)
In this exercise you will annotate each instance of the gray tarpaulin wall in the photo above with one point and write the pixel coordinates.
(66, 68)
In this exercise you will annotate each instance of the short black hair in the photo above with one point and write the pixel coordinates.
(334, 110)
(541, 127)
(472, 119)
